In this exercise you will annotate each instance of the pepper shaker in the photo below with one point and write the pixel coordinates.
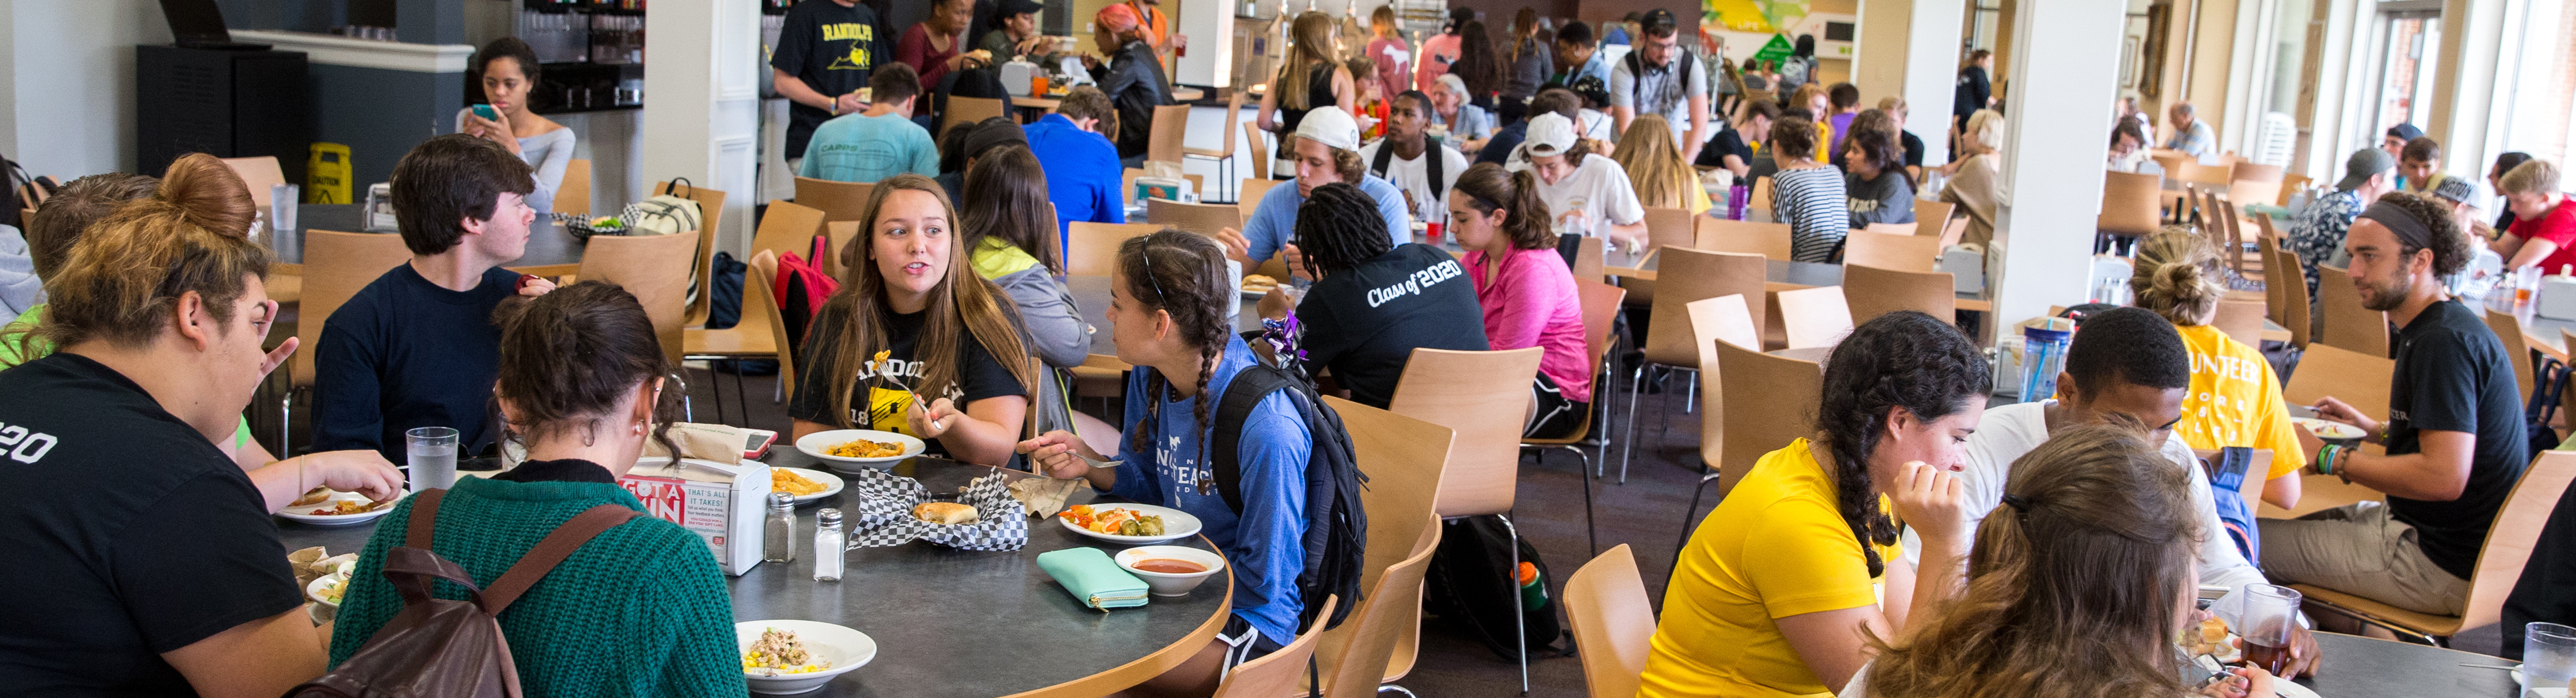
(778, 538)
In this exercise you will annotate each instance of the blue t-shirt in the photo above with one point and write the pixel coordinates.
(1082, 172)
(406, 353)
(1274, 222)
(1264, 547)
(862, 148)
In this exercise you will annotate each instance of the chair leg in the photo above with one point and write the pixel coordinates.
(1690, 398)
(1687, 515)
(741, 397)
(1628, 442)
(715, 384)
(1520, 625)
(1591, 531)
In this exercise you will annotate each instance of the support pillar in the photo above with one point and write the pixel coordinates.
(1928, 49)
(2051, 197)
(701, 105)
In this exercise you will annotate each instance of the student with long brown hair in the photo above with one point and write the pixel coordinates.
(1310, 79)
(1526, 291)
(1874, 183)
(955, 372)
(1658, 172)
(1010, 241)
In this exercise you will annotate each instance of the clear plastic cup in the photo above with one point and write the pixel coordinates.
(430, 457)
(2548, 654)
(2271, 615)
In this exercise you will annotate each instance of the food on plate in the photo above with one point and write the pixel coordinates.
(784, 480)
(1169, 566)
(1257, 283)
(2210, 638)
(332, 590)
(864, 448)
(1112, 521)
(343, 507)
(780, 652)
(315, 496)
(2325, 429)
(944, 513)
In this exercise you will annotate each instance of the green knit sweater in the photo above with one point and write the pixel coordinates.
(642, 610)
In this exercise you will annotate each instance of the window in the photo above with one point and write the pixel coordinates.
(2409, 42)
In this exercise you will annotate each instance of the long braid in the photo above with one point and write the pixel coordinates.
(1904, 359)
(1184, 275)
(1338, 228)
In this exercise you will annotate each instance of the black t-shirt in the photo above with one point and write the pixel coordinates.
(1913, 148)
(979, 375)
(126, 533)
(834, 49)
(1498, 150)
(1727, 142)
(1366, 322)
(2453, 375)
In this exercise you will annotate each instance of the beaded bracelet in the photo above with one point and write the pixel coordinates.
(2323, 462)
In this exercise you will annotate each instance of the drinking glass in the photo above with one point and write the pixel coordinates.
(282, 199)
(2548, 654)
(2271, 614)
(431, 457)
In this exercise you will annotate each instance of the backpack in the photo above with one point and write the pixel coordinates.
(803, 286)
(451, 648)
(1336, 539)
(670, 213)
(1430, 165)
(1637, 68)
(24, 192)
(1794, 72)
(2546, 384)
(1472, 585)
(724, 309)
(2227, 472)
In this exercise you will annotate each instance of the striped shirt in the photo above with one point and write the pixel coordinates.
(1811, 201)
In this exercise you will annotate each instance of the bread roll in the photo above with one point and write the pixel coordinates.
(315, 496)
(944, 513)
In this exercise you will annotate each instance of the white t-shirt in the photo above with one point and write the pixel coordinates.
(2008, 432)
(1599, 187)
(1413, 177)
(1591, 124)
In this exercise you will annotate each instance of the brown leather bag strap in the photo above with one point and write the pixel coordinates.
(424, 518)
(551, 551)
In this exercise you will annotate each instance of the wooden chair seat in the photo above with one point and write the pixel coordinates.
(1613, 622)
(2425, 622)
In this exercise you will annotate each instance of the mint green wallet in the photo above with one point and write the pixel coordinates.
(1093, 578)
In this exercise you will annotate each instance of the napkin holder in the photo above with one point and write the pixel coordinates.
(2558, 296)
(1967, 267)
(1094, 579)
(721, 503)
(1018, 76)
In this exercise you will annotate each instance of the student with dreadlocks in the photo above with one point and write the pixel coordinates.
(1374, 302)
(1167, 303)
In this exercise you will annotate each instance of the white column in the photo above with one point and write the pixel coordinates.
(1932, 72)
(701, 99)
(2070, 52)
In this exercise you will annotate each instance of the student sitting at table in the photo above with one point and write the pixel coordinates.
(1976, 176)
(416, 347)
(2544, 227)
(1327, 148)
(2126, 366)
(1730, 150)
(1587, 193)
(509, 69)
(2078, 585)
(978, 139)
(2234, 399)
(1874, 185)
(1167, 310)
(878, 143)
(1130, 75)
(955, 370)
(1807, 194)
(1374, 303)
(1526, 291)
(144, 560)
(1505, 147)
(640, 610)
(1657, 172)
(1774, 589)
(1082, 170)
(2454, 434)
(1005, 227)
(1424, 168)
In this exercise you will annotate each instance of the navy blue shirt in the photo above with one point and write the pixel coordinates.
(406, 353)
(1499, 148)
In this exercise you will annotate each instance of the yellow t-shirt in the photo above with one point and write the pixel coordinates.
(2236, 401)
(1775, 547)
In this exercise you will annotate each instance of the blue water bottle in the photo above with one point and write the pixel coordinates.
(2043, 355)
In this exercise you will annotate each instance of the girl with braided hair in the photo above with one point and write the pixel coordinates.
(1772, 590)
(1167, 311)
(1374, 301)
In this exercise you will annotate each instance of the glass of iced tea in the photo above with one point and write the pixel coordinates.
(2271, 615)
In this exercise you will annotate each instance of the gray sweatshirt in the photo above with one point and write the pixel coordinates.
(1888, 199)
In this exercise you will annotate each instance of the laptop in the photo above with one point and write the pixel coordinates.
(199, 24)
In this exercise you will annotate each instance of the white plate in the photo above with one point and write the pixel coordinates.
(1177, 524)
(831, 483)
(846, 649)
(299, 513)
(314, 590)
(2329, 430)
(814, 443)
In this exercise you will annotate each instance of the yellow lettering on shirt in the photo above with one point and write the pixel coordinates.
(886, 408)
(849, 31)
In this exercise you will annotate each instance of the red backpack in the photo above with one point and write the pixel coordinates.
(802, 286)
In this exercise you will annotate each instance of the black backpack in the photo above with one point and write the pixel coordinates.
(24, 192)
(1336, 526)
(1430, 163)
(1637, 67)
(1472, 586)
(2547, 383)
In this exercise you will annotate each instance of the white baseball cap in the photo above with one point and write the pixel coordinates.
(1332, 127)
(1549, 134)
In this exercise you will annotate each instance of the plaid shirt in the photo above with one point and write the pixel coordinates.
(2318, 231)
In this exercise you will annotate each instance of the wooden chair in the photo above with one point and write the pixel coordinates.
(1092, 248)
(2253, 183)
(839, 201)
(1204, 219)
(2131, 204)
(1591, 259)
(710, 212)
(1669, 227)
(1224, 157)
(1405, 459)
(2509, 331)
(1248, 193)
(2275, 298)
(841, 235)
(1164, 141)
(2241, 320)
(2347, 323)
(1278, 673)
(1389, 616)
(1261, 152)
(1614, 622)
(788, 227)
(572, 195)
(1687, 275)
(653, 267)
(1760, 200)
(2358, 379)
(2294, 295)
(1715, 320)
(258, 173)
(2170, 160)
(2204, 175)
(1899, 252)
(2509, 543)
(1600, 309)
(336, 266)
(1932, 216)
(1814, 317)
(1954, 232)
(1769, 402)
(1893, 228)
(762, 334)
(1484, 397)
(2290, 185)
(968, 110)
(1873, 291)
(1771, 240)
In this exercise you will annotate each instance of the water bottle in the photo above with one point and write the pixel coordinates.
(778, 538)
(2043, 356)
(1533, 590)
(1737, 198)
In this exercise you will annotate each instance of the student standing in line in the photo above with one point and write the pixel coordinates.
(1975, 91)
(1577, 57)
(826, 51)
(1389, 56)
(1526, 66)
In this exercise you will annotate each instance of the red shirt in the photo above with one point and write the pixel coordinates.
(915, 49)
(2557, 226)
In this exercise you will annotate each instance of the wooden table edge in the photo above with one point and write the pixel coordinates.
(549, 269)
(1131, 674)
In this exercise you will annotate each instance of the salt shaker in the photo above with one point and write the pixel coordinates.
(778, 538)
(828, 544)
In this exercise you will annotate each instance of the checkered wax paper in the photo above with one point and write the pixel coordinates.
(883, 514)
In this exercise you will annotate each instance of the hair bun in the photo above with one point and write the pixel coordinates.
(208, 194)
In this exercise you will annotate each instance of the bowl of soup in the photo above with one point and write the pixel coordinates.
(1170, 570)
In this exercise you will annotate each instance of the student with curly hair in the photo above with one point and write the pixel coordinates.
(1874, 182)
(1807, 194)
(1373, 301)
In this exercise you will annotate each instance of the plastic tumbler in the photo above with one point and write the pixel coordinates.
(2271, 615)
(282, 199)
(2548, 654)
(2043, 356)
(430, 457)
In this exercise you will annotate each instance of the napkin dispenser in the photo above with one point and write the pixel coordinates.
(1967, 267)
(1161, 188)
(721, 503)
(2558, 296)
(1018, 76)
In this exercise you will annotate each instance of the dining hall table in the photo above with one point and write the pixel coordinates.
(551, 250)
(2545, 334)
(2352, 666)
(951, 623)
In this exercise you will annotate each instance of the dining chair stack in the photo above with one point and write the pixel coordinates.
(1613, 622)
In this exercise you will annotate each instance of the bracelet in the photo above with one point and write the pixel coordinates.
(2323, 463)
(2343, 466)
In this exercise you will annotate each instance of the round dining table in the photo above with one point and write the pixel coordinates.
(952, 623)
(2359, 667)
(551, 250)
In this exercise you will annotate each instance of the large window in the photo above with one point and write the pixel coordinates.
(2409, 42)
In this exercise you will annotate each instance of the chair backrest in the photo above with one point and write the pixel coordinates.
(1721, 235)
(760, 308)
(1591, 258)
(1204, 219)
(2241, 320)
(336, 266)
(710, 213)
(1687, 275)
(2290, 185)
(1874, 291)
(2252, 183)
(572, 195)
(1260, 151)
(2129, 203)
(1353, 667)
(2347, 323)
(1714, 320)
(1899, 252)
(259, 173)
(653, 267)
(1814, 317)
(1769, 401)
(2358, 379)
(969, 110)
(1091, 249)
(1932, 215)
(2515, 532)
(1164, 139)
(1893, 228)
(1669, 227)
(788, 227)
(1278, 673)
(1760, 200)
(2170, 160)
(1247, 196)
(1600, 314)
(1614, 622)
(1484, 396)
(2275, 296)
(1405, 459)
(842, 234)
(1954, 232)
(2509, 331)
(2285, 265)
(2192, 172)
(1233, 114)
(839, 201)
